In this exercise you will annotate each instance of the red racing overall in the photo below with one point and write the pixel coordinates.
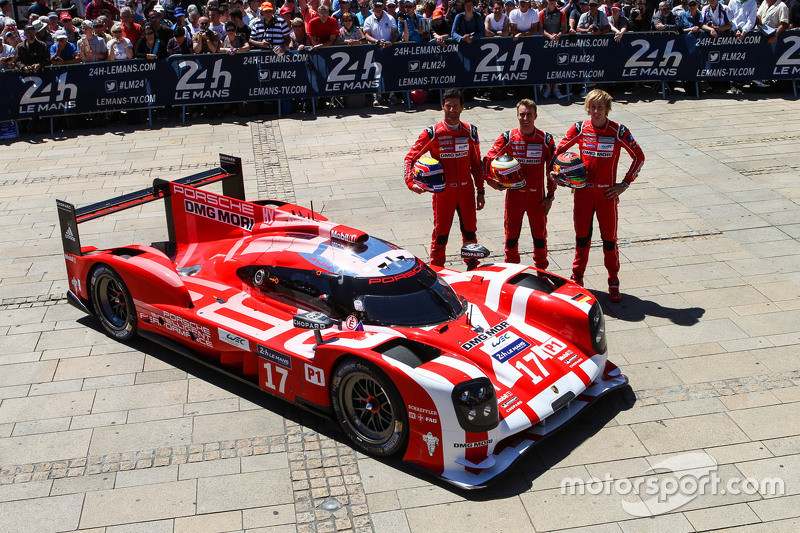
(534, 152)
(458, 152)
(600, 150)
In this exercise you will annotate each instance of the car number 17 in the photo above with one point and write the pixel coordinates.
(538, 354)
(269, 384)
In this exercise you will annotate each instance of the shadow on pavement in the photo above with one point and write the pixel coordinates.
(634, 309)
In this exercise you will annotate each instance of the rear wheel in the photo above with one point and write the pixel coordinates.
(112, 303)
(369, 408)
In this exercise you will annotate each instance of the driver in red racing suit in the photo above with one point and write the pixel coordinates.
(534, 149)
(600, 141)
(455, 144)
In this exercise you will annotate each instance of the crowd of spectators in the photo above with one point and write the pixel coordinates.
(66, 31)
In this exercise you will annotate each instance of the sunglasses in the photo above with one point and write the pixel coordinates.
(116, 31)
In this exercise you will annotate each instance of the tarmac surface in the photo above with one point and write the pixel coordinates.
(98, 436)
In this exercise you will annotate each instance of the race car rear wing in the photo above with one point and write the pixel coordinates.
(229, 173)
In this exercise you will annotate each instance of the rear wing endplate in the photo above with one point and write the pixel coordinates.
(229, 173)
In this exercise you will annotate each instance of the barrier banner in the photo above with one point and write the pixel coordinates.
(342, 70)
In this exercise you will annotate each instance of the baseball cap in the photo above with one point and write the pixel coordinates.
(377, 3)
(391, 3)
(158, 8)
(595, 2)
(437, 14)
(39, 25)
(267, 6)
(179, 12)
(616, 6)
(692, 2)
(64, 16)
(61, 34)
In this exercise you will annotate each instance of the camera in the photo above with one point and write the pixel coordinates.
(635, 12)
(402, 16)
(209, 33)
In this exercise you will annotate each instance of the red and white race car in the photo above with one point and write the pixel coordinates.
(457, 373)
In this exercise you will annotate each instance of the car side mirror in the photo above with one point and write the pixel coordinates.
(315, 321)
(472, 253)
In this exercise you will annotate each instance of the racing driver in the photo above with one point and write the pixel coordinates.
(455, 145)
(600, 141)
(534, 149)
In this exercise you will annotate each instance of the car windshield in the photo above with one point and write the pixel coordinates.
(418, 297)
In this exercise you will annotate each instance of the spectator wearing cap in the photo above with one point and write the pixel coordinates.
(73, 35)
(289, 10)
(130, 29)
(63, 52)
(150, 46)
(270, 31)
(91, 46)
(380, 28)
(523, 20)
(179, 16)
(32, 54)
(409, 23)
(323, 29)
(180, 43)
(234, 43)
(553, 21)
(440, 26)
(205, 41)
(52, 23)
(496, 23)
(391, 10)
(363, 12)
(119, 46)
(582, 6)
(40, 7)
(639, 18)
(95, 7)
(468, 25)
(618, 21)
(665, 20)
(344, 7)
(691, 21)
(510, 5)
(101, 26)
(237, 17)
(42, 33)
(593, 21)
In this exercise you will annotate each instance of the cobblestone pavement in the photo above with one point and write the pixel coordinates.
(99, 436)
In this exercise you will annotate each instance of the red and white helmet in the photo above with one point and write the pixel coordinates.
(428, 174)
(506, 173)
(570, 170)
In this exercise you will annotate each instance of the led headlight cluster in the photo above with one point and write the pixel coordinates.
(475, 403)
(597, 328)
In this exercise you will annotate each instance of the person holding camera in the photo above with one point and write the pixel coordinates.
(639, 21)
(63, 52)
(409, 23)
(205, 41)
(593, 21)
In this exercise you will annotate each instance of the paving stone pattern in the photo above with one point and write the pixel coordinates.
(104, 437)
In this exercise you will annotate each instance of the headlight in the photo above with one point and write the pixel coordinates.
(597, 328)
(476, 405)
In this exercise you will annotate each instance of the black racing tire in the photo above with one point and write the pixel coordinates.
(369, 408)
(112, 303)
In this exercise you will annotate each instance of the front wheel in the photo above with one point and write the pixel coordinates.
(369, 408)
(112, 303)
